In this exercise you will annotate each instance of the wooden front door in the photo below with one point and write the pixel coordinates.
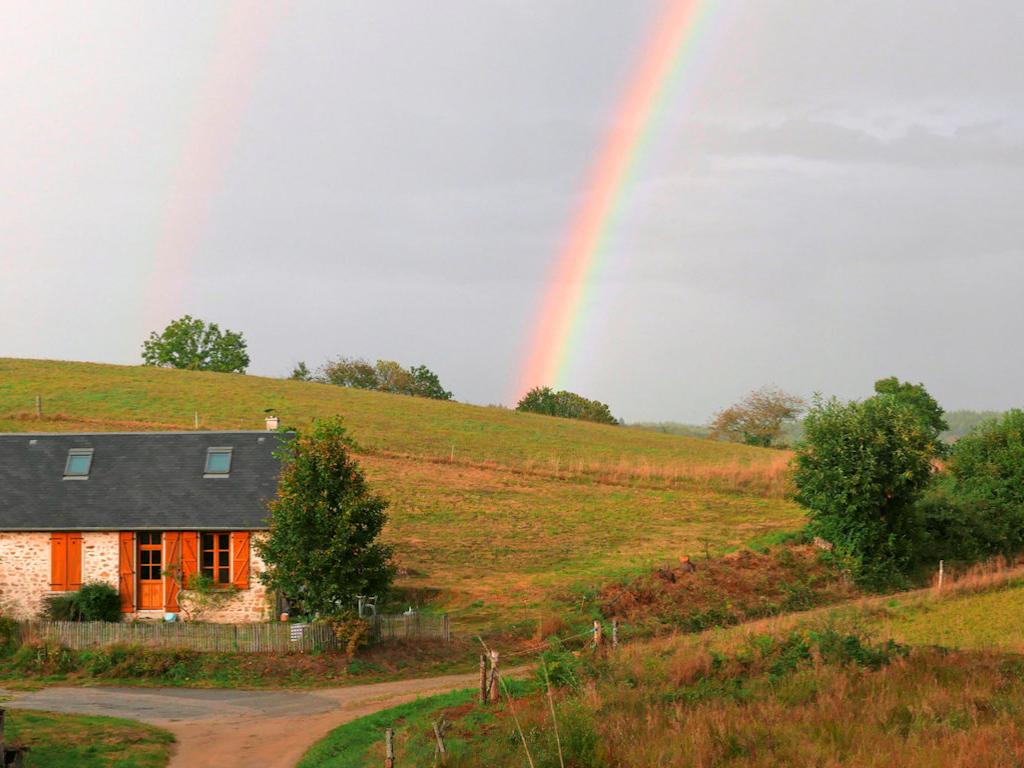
(150, 560)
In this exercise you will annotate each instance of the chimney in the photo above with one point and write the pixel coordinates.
(272, 422)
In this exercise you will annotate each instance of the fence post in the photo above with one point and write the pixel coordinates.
(615, 634)
(940, 575)
(483, 679)
(597, 634)
(439, 728)
(494, 676)
(389, 746)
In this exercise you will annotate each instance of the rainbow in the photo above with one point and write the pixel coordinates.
(665, 58)
(212, 130)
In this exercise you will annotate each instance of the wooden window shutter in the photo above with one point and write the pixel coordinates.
(58, 562)
(172, 570)
(74, 567)
(189, 557)
(240, 559)
(126, 570)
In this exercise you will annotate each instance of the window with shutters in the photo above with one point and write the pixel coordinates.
(215, 557)
(65, 561)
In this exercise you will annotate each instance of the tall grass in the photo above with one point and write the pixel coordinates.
(818, 697)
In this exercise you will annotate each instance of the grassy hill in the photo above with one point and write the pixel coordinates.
(495, 514)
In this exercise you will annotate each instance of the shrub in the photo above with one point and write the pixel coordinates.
(96, 601)
(8, 635)
(351, 632)
(987, 478)
(44, 659)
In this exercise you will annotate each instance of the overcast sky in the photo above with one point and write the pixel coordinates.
(836, 196)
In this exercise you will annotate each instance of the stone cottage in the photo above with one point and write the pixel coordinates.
(144, 512)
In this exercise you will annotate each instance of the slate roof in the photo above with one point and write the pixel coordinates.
(138, 481)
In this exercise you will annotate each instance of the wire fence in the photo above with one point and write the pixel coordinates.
(274, 637)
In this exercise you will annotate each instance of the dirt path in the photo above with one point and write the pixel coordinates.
(235, 727)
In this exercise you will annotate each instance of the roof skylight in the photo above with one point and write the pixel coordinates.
(78, 464)
(218, 462)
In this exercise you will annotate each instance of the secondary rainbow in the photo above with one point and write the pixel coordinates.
(240, 32)
(665, 58)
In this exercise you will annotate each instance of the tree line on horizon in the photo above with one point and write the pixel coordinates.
(767, 417)
(382, 376)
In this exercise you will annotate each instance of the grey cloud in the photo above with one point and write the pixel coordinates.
(819, 140)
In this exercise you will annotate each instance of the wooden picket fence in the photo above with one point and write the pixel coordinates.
(274, 637)
(402, 626)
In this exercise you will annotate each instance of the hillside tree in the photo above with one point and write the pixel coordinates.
(384, 376)
(564, 404)
(192, 344)
(301, 372)
(324, 548)
(758, 419)
(425, 383)
(859, 471)
(986, 482)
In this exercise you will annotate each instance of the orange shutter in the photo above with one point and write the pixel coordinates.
(189, 557)
(240, 559)
(126, 570)
(58, 562)
(74, 567)
(172, 570)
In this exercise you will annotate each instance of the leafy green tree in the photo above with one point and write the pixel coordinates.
(393, 378)
(425, 383)
(324, 547)
(350, 372)
(859, 471)
(986, 482)
(385, 376)
(916, 398)
(542, 400)
(301, 373)
(759, 418)
(567, 405)
(194, 345)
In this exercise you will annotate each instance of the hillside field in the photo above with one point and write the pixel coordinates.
(495, 515)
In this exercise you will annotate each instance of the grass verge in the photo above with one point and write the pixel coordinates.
(61, 741)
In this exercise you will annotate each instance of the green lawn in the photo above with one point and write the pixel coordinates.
(361, 742)
(62, 741)
(987, 620)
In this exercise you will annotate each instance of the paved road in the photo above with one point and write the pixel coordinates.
(227, 728)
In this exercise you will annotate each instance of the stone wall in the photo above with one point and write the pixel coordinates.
(100, 557)
(238, 606)
(25, 568)
(24, 573)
